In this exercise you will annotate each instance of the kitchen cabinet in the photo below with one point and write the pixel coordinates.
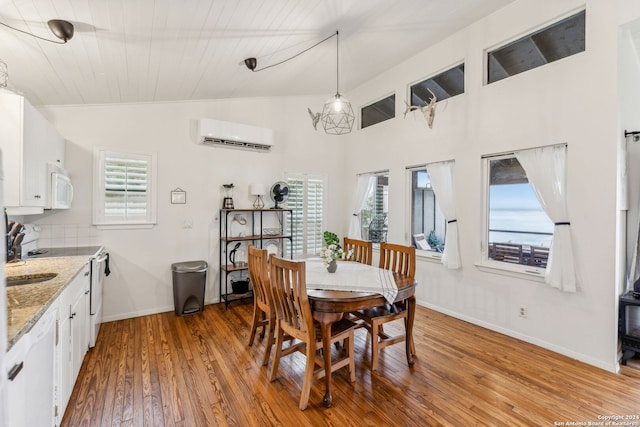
(263, 228)
(73, 341)
(31, 371)
(28, 142)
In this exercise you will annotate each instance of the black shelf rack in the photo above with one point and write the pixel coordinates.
(258, 238)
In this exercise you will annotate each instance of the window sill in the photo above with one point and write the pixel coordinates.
(526, 272)
(429, 255)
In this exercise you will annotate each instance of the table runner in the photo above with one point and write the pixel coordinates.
(351, 276)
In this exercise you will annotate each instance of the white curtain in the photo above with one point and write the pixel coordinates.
(364, 184)
(441, 175)
(546, 170)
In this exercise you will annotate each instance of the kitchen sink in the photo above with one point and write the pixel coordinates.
(29, 278)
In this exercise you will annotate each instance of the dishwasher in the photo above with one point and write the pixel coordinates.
(30, 374)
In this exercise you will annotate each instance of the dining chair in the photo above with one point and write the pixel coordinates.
(263, 313)
(362, 250)
(294, 318)
(400, 259)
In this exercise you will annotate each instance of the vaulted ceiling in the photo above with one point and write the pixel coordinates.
(166, 50)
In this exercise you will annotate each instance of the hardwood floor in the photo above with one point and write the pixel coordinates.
(165, 370)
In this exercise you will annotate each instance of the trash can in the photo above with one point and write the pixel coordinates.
(189, 281)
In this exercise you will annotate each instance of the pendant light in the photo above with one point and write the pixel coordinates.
(337, 115)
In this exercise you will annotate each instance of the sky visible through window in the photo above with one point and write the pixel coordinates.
(514, 211)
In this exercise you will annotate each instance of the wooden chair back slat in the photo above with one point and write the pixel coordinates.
(398, 258)
(362, 250)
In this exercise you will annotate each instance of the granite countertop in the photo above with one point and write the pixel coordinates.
(27, 303)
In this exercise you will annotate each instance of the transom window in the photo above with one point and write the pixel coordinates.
(444, 85)
(378, 111)
(518, 229)
(557, 41)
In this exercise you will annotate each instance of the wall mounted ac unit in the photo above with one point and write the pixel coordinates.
(218, 133)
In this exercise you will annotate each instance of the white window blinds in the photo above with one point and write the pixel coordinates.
(125, 188)
(306, 199)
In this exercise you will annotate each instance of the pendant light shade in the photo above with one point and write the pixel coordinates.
(337, 115)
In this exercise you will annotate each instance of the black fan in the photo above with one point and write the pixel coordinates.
(279, 193)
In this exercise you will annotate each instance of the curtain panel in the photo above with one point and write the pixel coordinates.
(546, 170)
(364, 184)
(441, 174)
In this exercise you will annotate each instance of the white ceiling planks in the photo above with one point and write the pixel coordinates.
(164, 50)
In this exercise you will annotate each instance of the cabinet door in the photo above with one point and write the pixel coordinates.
(64, 385)
(34, 172)
(78, 332)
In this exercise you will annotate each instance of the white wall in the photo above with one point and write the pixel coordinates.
(571, 101)
(141, 260)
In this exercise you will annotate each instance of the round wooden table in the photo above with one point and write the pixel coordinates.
(329, 306)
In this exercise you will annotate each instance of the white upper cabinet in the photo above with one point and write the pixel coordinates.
(28, 142)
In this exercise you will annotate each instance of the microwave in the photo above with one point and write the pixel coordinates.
(60, 188)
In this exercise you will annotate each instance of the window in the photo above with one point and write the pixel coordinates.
(557, 41)
(307, 200)
(124, 188)
(518, 229)
(379, 111)
(444, 85)
(374, 216)
(427, 219)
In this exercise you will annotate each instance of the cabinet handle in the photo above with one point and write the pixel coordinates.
(86, 292)
(72, 315)
(86, 273)
(15, 371)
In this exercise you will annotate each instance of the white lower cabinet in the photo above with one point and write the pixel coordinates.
(31, 371)
(42, 367)
(73, 337)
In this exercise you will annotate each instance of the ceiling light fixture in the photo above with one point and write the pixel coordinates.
(337, 115)
(60, 28)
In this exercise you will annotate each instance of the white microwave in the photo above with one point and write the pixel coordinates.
(60, 189)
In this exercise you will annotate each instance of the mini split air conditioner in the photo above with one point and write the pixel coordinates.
(217, 133)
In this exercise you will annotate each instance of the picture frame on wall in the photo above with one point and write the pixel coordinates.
(178, 196)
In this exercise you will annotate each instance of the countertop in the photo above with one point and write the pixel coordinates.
(27, 303)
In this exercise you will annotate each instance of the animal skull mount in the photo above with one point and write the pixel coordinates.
(429, 110)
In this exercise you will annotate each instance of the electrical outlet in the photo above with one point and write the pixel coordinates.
(522, 312)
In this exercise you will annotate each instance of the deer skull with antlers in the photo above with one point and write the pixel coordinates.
(429, 110)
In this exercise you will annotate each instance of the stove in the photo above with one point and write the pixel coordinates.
(57, 252)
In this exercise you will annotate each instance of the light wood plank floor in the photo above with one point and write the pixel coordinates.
(164, 370)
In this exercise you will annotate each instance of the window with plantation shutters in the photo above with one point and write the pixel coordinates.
(306, 199)
(124, 188)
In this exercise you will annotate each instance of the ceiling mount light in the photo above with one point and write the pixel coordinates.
(60, 28)
(251, 63)
(337, 115)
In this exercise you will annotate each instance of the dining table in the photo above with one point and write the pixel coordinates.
(355, 286)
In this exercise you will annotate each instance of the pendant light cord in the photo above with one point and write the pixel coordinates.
(32, 35)
(297, 54)
(337, 64)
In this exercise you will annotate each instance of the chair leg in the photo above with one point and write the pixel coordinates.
(254, 324)
(277, 353)
(374, 345)
(269, 344)
(351, 343)
(308, 376)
